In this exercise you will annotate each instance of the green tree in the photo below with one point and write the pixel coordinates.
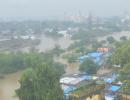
(124, 75)
(12, 62)
(41, 83)
(89, 67)
(122, 55)
(110, 39)
(81, 49)
(125, 72)
(72, 59)
(96, 45)
(56, 51)
(123, 38)
(26, 91)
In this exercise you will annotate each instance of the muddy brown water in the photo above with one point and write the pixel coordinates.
(49, 43)
(10, 83)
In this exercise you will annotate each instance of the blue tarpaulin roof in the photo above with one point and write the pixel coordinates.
(83, 57)
(114, 88)
(95, 54)
(86, 77)
(108, 80)
(69, 89)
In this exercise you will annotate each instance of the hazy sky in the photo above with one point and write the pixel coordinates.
(51, 9)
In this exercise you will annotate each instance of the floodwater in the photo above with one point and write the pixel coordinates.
(49, 43)
(8, 85)
(116, 35)
(71, 68)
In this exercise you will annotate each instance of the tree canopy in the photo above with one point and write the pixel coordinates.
(41, 83)
(89, 67)
(110, 39)
(12, 62)
(122, 57)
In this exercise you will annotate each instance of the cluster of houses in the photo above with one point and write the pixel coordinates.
(99, 57)
(71, 83)
(93, 87)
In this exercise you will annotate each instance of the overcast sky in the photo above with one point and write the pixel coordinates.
(52, 9)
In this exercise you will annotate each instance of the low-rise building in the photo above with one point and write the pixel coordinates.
(71, 83)
(103, 49)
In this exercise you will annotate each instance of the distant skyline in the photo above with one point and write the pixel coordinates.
(57, 9)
